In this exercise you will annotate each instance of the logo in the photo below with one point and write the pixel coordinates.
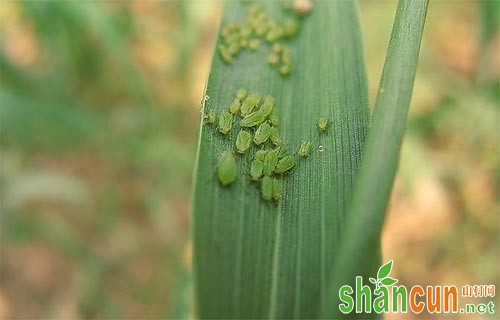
(384, 296)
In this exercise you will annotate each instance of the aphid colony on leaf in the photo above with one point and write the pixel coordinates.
(258, 27)
(256, 122)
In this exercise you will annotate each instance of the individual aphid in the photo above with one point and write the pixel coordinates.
(261, 29)
(305, 149)
(277, 187)
(233, 26)
(225, 54)
(253, 119)
(243, 141)
(270, 162)
(225, 32)
(267, 106)
(266, 188)
(232, 38)
(254, 44)
(211, 116)
(322, 124)
(291, 27)
(287, 4)
(254, 9)
(275, 137)
(260, 155)
(277, 48)
(225, 122)
(273, 118)
(241, 94)
(302, 7)
(262, 134)
(226, 169)
(286, 55)
(234, 107)
(273, 58)
(246, 32)
(286, 163)
(244, 43)
(234, 48)
(281, 151)
(285, 70)
(274, 34)
(250, 103)
(256, 169)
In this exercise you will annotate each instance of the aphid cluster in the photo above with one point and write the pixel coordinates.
(259, 138)
(259, 28)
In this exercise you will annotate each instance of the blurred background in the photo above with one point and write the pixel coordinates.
(99, 120)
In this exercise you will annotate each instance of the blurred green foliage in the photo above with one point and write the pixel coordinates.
(99, 115)
(98, 146)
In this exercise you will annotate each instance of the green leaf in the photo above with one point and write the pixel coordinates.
(258, 259)
(361, 240)
(388, 281)
(384, 270)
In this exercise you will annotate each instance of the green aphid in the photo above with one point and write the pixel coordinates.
(262, 134)
(275, 137)
(261, 29)
(291, 27)
(243, 141)
(273, 59)
(305, 149)
(277, 187)
(322, 124)
(234, 107)
(246, 32)
(274, 35)
(275, 32)
(277, 48)
(226, 32)
(241, 94)
(211, 116)
(233, 26)
(281, 151)
(254, 44)
(270, 162)
(286, 163)
(253, 119)
(267, 106)
(234, 48)
(256, 169)
(226, 168)
(286, 56)
(225, 122)
(273, 118)
(285, 70)
(266, 188)
(250, 103)
(287, 4)
(260, 155)
(232, 38)
(244, 43)
(254, 9)
(225, 54)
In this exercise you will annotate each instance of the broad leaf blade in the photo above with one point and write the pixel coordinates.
(361, 241)
(255, 259)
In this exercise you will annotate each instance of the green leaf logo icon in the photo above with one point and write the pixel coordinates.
(384, 270)
(383, 278)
